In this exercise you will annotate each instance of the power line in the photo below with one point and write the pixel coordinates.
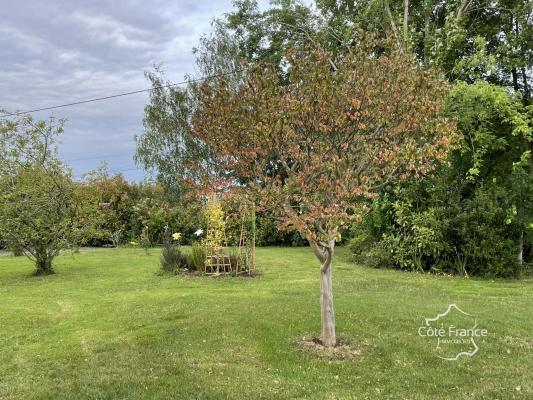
(113, 96)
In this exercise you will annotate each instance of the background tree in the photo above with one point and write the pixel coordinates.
(469, 39)
(318, 145)
(471, 217)
(108, 202)
(166, 147)
(37, 201)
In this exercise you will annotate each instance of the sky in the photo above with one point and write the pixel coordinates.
(60, 51)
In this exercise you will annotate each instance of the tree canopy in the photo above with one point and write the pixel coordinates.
(37, 197)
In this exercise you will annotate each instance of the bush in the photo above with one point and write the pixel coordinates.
(171, 256)
(371, 253)
(269, 235)
(198, 257)
(468, 218)
(488, 234)
(442, 232)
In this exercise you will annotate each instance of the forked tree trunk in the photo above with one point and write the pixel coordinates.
(324, 253)
(43, 261)
(43, 267)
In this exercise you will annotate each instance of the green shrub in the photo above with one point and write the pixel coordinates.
(488, 234)
(442, 232)
(172, 258)
(371, 253)
(474, 215)
(269, 235)
(198, 256)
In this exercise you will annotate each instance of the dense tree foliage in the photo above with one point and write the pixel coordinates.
(470, 217)
(468, 39)
(37, 196)
(116, 212)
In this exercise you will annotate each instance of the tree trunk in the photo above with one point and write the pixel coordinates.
(393, 24)
(405, 22)
(521, 249)
(44, 267)
(43, 262)
(324, 253)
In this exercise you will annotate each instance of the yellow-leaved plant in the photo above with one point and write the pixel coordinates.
(216, 225)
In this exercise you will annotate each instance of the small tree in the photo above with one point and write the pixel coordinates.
(316, 147)
(37, 205)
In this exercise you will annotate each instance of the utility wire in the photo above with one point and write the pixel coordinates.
(113, 96)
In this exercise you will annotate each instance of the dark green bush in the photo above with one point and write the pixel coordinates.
(488, 235)
(172, 258)
(269, 235)
(438, 232)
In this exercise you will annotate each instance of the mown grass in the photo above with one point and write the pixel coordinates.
(107, 326)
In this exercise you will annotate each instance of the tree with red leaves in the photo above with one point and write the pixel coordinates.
(317, 145)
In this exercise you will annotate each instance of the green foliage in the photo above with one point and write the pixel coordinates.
(17, 250)
(116, 211)
(215, 239)
(417, 239)
(469, 217)
(197, 259)
(489, 248)
(145, 241)
(469, 40)
(107, 206)
(268, 233)
(495, 126)
(38, 213)
(365, 242)
(172, 258)
(470, 237)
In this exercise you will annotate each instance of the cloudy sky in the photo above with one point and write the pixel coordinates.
(59, 51)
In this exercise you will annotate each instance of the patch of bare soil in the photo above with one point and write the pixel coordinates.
(342, 351)
(243, 274)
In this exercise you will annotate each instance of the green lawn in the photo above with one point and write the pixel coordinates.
(106, 326)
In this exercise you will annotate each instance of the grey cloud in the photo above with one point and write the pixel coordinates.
(60, 51)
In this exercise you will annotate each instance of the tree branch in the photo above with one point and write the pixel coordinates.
(393, 24)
